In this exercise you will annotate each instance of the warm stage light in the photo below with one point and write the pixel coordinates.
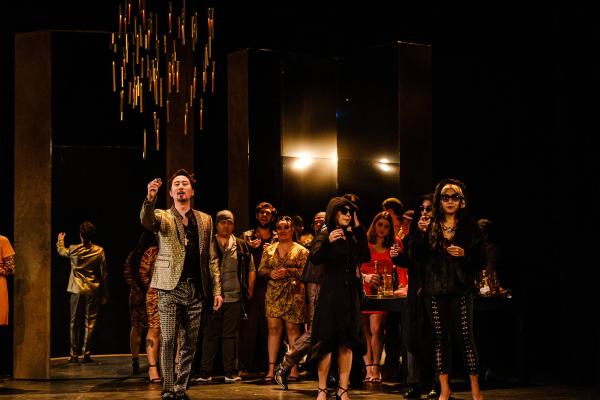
(383, 165)
(302, 163)
(334, 159)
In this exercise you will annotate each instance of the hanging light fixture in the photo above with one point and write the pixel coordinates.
(156, 47)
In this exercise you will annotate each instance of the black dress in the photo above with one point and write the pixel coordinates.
(337, 313)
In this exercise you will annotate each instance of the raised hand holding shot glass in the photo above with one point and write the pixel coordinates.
(153, 187)
(423, 223)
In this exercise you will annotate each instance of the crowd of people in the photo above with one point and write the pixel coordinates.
(279, 296)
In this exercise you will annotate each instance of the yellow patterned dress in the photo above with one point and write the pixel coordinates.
(143, 300)
(285, 298)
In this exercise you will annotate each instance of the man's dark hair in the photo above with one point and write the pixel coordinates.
(297, 220)
(182, 172)
(264, 204)
(395, 205)
(87, 230)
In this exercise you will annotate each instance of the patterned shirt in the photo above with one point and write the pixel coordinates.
(7, 254)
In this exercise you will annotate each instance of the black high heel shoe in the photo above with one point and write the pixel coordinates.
(153, 380)
(338, 395)
(367, 379)
(270, 379)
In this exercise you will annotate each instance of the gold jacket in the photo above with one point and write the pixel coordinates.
(88, 268)
(168, 225)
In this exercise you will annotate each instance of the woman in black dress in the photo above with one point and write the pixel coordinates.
(448, 251)
(341, 248)
(416, 332)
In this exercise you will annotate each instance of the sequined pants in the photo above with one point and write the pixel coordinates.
(178, 308)
(452, 314)
(84, 311)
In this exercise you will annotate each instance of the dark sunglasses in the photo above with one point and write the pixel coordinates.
(428, 208)
(346, 211)
(453, 197)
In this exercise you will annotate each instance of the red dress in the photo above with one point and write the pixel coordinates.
(384, 261)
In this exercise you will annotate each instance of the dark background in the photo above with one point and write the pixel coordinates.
(515, 114)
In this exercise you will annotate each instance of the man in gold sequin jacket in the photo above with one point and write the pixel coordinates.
(186, 273)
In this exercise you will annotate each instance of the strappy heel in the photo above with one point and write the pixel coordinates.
(319, 390)
(377, 379)
(368, 379)
(338, 396)
(153, 380)
(270, 379)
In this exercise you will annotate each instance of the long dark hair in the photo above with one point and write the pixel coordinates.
(414, 224)
(147, 239)
(437, 234)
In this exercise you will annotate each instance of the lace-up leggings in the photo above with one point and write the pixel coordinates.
(452, 314)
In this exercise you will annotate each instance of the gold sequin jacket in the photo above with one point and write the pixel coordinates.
(168, 225)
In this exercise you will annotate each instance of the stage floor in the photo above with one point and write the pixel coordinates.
(108, 378)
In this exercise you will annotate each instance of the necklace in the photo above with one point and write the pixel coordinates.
(449, 229)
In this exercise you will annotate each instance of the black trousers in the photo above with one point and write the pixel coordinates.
(253, 352)
(452, 314)
(221, 327)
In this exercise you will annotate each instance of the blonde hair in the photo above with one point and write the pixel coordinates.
(458, 190)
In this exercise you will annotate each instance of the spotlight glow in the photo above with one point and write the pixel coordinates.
(302, 163)
(382, 163)
(384, 167)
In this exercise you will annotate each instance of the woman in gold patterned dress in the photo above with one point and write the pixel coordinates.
(143, 303)
(282, 264)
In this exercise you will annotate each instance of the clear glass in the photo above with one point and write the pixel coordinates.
(388, 289)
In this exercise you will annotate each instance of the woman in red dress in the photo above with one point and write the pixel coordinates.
(381, 239)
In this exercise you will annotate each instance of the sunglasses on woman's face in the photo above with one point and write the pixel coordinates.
(427, 209)
(346, 211)
(453, 197)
